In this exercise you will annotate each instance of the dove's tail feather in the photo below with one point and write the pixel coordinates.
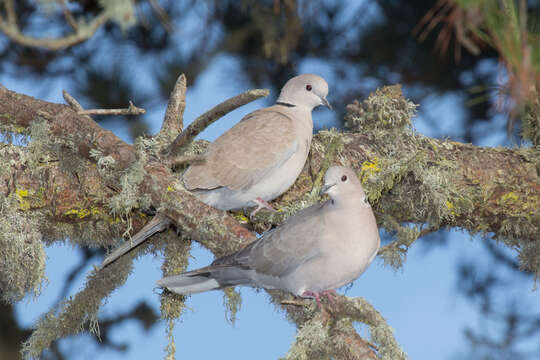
(185, 284)
(205, 279)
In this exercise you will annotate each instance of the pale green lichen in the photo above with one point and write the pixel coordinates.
(232, 302)
(381, 333)
(170, 349)
(22, 257)
(331, 143)
(312, 342)
(129, 198)
(384, 109)
(79, 311)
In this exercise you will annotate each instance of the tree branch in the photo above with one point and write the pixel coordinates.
(206, 119)
(82, 33)
(174, 119)
(131, 110)
(68, 15)
(409, 179)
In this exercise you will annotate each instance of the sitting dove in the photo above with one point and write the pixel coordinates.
(314, 252)
(259, 158)
(256, 160)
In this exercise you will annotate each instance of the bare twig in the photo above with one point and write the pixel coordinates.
(294, 302)
(83, 33)
(186, 159)
(175, 108)
(11, 15)
(74, 104)
(131, 110)
(162, 15)
(67, 14)
(206, 119)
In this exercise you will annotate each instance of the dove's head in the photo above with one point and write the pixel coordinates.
(343, 186)
(307, 90)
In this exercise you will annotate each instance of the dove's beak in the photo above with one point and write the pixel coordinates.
(326, 103)
(325, 189)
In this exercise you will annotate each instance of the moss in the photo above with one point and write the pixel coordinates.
(311, 342)
(79, 311)
(170, 349)
(22, 257)
(384, 109)
(176, 261)
(84, 212)
(232, 302)
(381, 333)
(22, 196)
(531, 121)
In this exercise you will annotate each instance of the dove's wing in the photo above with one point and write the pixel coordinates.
(262, 142)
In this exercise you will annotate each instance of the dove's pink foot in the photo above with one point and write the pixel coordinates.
(261, 203)
(312, 294)
(330, 295)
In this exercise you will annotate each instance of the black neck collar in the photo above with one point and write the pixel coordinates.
(285, 104)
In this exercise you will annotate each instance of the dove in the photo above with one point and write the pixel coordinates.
(260, 157)
(314, 252)
(256, 160)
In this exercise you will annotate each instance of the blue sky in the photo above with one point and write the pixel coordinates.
(419, 301)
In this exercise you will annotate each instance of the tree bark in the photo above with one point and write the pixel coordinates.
(84, 183)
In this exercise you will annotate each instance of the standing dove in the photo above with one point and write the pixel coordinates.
(256, 160)
(259, 158)
(314, 252)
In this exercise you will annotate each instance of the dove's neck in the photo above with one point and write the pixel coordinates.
(301, 115)
(351, 201)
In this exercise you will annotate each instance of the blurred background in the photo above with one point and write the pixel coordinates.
(471, 65)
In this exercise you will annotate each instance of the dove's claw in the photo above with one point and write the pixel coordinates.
(261, 204)
(330, 295)
(313, 294)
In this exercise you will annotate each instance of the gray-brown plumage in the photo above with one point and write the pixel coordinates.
(315, 251)
(256, 160)
(259, 158)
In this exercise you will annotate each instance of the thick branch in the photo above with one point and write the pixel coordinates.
(206, 119)
(66, 125)
(409, 178)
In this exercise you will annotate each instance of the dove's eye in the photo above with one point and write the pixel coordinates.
(308, 87)
(344, 178)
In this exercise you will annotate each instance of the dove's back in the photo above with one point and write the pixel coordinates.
(260, 157)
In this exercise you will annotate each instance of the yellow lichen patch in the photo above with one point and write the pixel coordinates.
(82, 213)
(22, 193)
(450, 207)
(170, 188)
(369, 167)
(510, 197)
(24, 204)
(242, 219)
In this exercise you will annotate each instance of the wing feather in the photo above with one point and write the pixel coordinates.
(283, 249)
(261, 142)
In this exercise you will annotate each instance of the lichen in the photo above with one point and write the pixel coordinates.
(311, 342)
(381, 333)
(22, 257)
(79, 311)
(384, 109)
(170, 349)
(129, 198)
(531, 121)
(232, 302)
